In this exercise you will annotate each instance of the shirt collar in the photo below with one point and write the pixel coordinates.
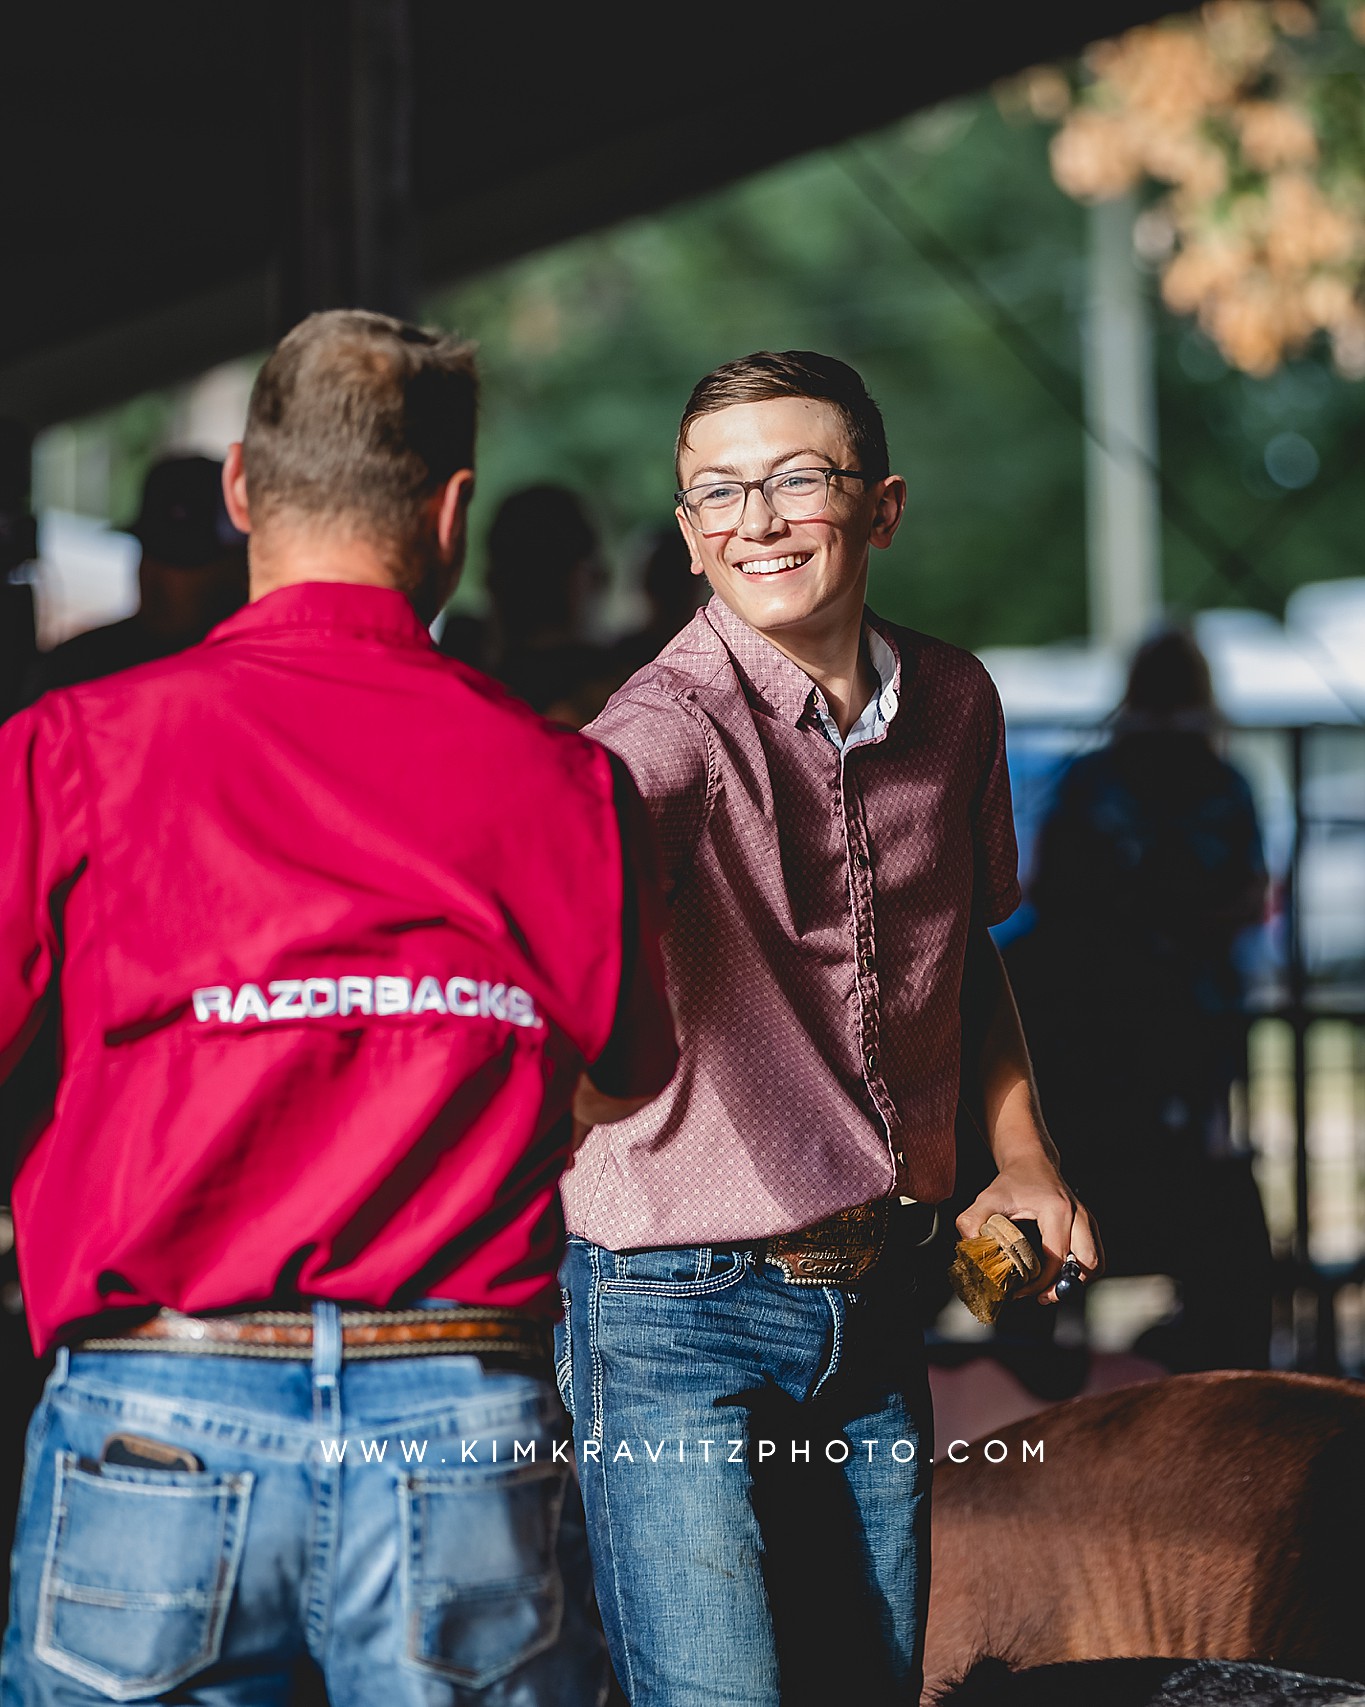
(378, 613)
(876, 715)
(886, 661)
(783, 687)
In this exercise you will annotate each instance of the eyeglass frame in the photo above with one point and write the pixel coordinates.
(747, 486)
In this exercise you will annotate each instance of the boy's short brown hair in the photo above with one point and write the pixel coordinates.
(355, 419)
(793, 373)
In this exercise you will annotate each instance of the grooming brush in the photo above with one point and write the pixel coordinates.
(988, 1268)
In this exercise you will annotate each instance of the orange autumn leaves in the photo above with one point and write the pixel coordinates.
(1248, 116)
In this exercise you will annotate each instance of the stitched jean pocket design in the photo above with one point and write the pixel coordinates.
(564, 1352)
(481, 1584)
(138, 1576)
(683, 1272)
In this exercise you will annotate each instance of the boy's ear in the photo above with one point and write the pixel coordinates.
(886, 518)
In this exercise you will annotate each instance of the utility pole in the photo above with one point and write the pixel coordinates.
(1123, 500)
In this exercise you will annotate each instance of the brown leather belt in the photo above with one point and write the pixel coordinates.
(844, 1248)
(366, 1335)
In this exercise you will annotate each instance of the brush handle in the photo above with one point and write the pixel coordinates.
(1015, 1243)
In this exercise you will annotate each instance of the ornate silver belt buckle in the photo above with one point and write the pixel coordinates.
(837, 1251)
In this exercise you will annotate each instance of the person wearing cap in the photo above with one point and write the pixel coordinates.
(191, 574)
(334, 1004)
(740, 1347)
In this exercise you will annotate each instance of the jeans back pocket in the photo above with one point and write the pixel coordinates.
(139, 1574)
(481, 1581)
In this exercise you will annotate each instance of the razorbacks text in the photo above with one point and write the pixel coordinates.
(318, 998)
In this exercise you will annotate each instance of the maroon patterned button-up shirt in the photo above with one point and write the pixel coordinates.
(820, 905)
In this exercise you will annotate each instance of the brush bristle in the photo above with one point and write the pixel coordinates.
(983, 1273)
(982, 1276)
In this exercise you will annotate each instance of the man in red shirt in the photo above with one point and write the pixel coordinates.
(740, 1348)
(344, 941)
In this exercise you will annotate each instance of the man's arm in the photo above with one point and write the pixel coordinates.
(660, 766)
(662, 745)
(642, 1052)
(1029, 1184)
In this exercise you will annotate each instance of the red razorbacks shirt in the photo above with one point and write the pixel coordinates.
(334, 924)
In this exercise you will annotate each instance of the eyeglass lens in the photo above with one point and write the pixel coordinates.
(790, 494)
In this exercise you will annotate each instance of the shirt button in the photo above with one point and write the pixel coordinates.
(869, 961)
(860, 860)
(900, 1158)
(871, 1059)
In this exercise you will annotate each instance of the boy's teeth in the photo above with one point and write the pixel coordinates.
(770, 565)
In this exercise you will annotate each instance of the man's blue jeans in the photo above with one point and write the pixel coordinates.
(354, 1512)
(754, 1458)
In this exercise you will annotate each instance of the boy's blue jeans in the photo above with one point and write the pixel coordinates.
(754, 1459)
(416, 1569)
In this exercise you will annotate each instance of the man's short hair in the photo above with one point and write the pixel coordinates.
(794, 373)
(355, 420)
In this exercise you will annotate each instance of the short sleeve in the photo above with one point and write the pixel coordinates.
(664, 748)
(995, 849)
(641, 1053)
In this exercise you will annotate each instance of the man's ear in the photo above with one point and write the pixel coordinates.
(234, 489)
(688, 541)
(886, 518)
(452, 511)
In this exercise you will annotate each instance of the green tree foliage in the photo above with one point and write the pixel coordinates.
(941, 259)
(964, 315)
(589, 353)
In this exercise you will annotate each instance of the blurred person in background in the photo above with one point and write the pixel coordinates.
(1148, 869)
(192, 573)
(672, 595)
(334, 1007)
(18, 549)
(545, 570)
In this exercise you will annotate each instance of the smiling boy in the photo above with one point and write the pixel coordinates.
(833, 807)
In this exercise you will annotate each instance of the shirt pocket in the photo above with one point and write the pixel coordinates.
(482, 1591)
(139, 1574)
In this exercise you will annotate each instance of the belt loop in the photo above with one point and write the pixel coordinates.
(61, 1366)
(326, 1343)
